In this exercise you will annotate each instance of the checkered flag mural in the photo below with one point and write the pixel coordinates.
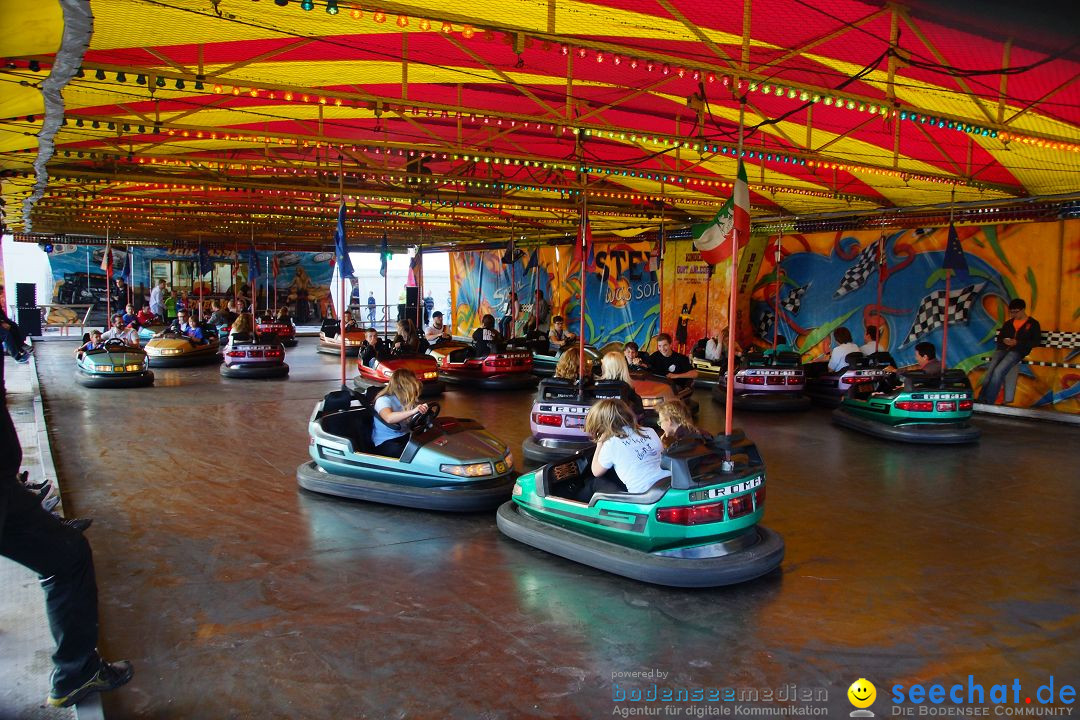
(931, 312)
(765, 323)
(793, 301)
(863, 268)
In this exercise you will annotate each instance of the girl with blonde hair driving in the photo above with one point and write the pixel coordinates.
(394, 406)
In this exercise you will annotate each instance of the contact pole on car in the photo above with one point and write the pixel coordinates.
(343, 264)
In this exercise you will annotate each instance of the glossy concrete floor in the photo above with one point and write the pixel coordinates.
(237, 595)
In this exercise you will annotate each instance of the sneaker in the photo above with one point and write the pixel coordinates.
(79, 524)
(50, 503)
(108, 677)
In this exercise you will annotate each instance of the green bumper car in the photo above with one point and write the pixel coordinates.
(115, 365)
(912, 407)
(449, 464)
(698, 528)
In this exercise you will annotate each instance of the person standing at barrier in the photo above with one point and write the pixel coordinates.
(1017, 336)
(62, 558)
(371, 307)
(157, 300)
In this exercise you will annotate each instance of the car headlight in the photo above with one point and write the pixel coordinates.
(134, 367)
(431, 375)
(474, 470)
(518, 492)
(387, 372)
(505, 464)
(353, 342)
(650, 402)
(103, 368)
(170, 351)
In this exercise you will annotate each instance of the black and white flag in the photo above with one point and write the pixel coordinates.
(931, 312)
(856, 275)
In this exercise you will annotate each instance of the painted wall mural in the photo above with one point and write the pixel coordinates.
(79, 279)
(621, 291)
(827, 280)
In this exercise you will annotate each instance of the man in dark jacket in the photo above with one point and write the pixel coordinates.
(61, 556)
(1015, 339)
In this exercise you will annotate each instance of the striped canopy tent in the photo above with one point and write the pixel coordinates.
(447, 122)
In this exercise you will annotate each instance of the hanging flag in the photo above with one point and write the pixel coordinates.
(106, 258)
(253, 264)
(384, 255)
(534, 261)
(714, 239)
(341, 251)
(205, 265)
(512, 254)
(584, 243)
(954, 253)
(414, 269)
(275, 266)
(863, 268)
(931, 312)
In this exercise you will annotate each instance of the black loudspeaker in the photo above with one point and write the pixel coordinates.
(30, 321)
(412, 299)
(26, 295)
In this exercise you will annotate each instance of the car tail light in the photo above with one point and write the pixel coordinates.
(691, 514)
(777, 380)
(739, 506)
(915, 405)
(547, 420)
(965, 405)
(235, 353)
(946, 406)
(759, 498)
(794, 380)
(498, 362)
(753, 379)
(849, 380)
(255, 353)
(273, 353)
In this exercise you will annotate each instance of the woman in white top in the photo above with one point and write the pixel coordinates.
(633, 451)
(843, 347)
(395, 405)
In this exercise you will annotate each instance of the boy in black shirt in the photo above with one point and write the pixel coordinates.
(665, 362)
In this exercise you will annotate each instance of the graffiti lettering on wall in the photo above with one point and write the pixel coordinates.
(621, 292)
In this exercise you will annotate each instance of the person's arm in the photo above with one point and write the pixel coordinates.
(688, 375)
(393, 417)
(598, 468)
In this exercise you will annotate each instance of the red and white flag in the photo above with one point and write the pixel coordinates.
(714, 239)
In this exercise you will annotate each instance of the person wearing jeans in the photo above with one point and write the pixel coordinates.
(12, 337)
(62, 558)
(1015, 339)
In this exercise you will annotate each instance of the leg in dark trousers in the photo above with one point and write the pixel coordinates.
(62, 557)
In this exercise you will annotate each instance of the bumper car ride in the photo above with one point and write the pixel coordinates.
(116, 365)
(284, 330)
(330, 338)
(449, 464)
(170, 349)
(698, 528)
(828, 388)
(762, 382)
(254, 360)
(913, 408)
(507, 370)
(424, 367)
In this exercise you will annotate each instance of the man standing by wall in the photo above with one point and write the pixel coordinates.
(1015, 339)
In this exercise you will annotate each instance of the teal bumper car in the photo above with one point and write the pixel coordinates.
(449, 464)
(913, 408)
(115, 365)
(698, 528)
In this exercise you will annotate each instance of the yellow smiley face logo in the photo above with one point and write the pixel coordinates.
(862, 693)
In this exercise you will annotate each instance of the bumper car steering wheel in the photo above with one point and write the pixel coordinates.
(425, 420)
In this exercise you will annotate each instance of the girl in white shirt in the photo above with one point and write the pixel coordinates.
(633, 451)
